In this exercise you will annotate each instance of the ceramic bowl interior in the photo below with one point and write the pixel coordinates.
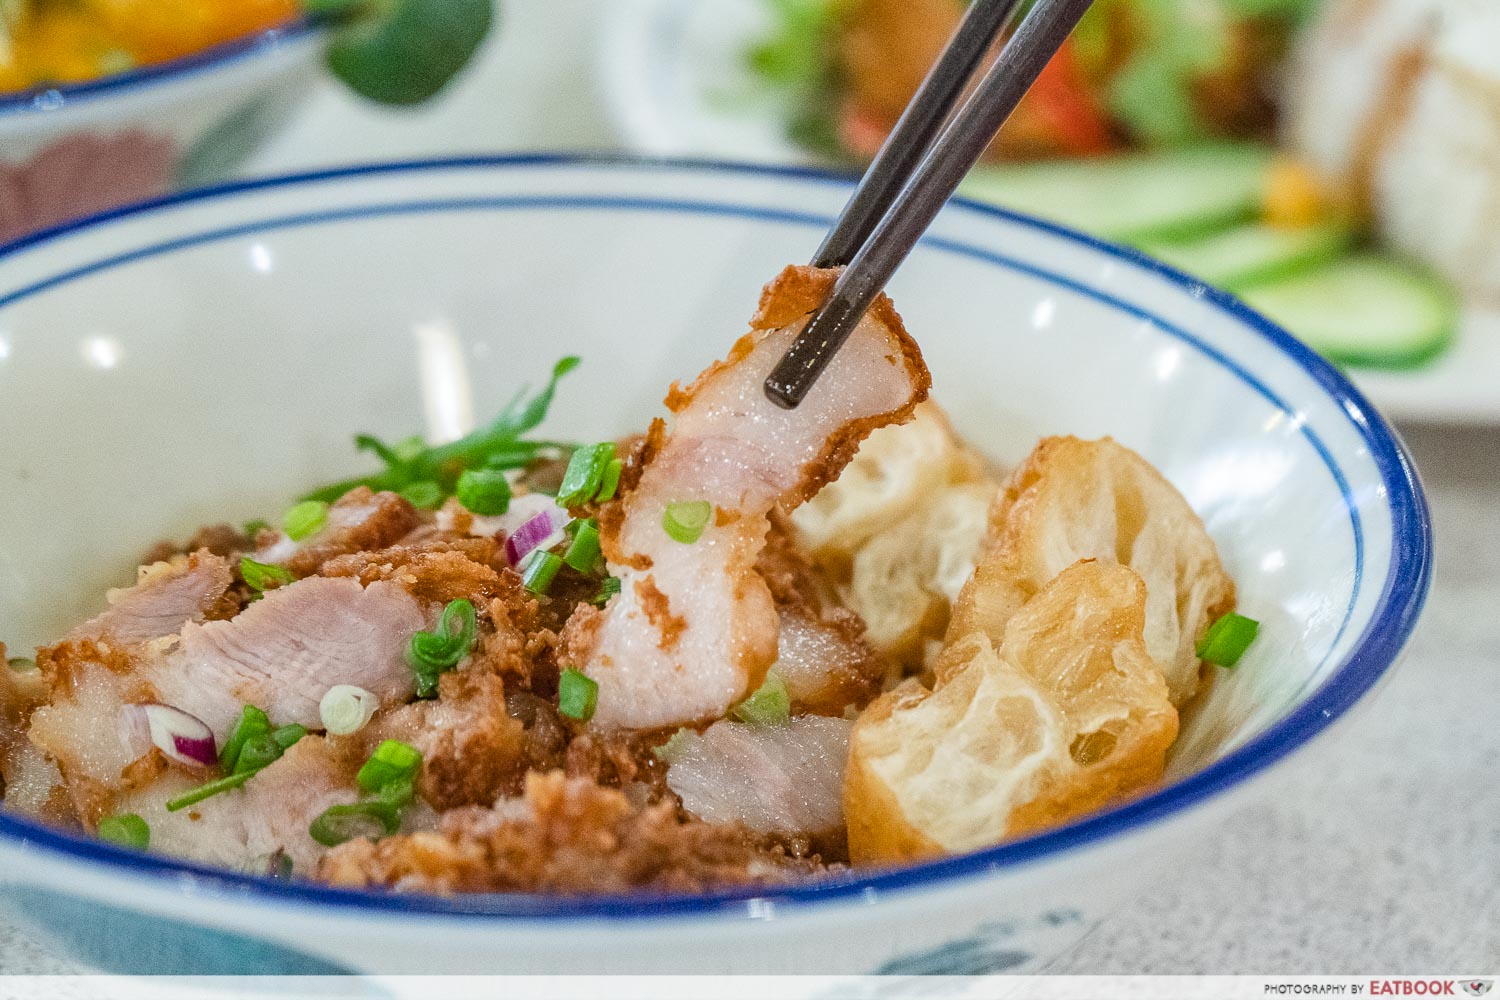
(209, 357)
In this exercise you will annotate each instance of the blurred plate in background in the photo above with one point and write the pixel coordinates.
(674, 78)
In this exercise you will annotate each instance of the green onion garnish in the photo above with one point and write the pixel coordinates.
(254, 527)
(611, 480)
(305, 519)
(769, 705)
(583, 553)
(251, 747)
(127, 830)
(539, 570)
(484, 491)
(577, 695)
(252, 723)
(21, 664)
(337, 824)
(585, 473)
(608, 587)
(423, 495)
(685, 520)
(263, 576)
(431, 653)
(209, 790)
(1227, 639)
(391, 761)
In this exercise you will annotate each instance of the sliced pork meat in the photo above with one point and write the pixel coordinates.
(245, 828)
(167, 596)
(567, 835)
(784, 779)
(694, 626)
(284, 652)
(360, 520)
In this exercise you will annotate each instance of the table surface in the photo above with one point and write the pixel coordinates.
(1384, 857)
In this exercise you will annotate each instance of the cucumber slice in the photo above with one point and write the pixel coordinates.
(1157, 197)
(1364, 310)
(1254, 254)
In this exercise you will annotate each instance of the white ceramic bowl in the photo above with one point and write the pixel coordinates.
(72, 150)
(209, 356)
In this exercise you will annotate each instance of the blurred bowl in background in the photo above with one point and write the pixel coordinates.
(82, 148)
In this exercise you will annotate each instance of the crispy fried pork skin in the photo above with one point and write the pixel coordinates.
(1073, 500)
(166, 597)
(694, 627)
(783, 779)
(567, 835)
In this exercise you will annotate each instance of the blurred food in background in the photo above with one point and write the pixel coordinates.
(71, 41)
(1157, 125)
(96, 109)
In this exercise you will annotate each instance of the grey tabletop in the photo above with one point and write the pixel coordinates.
(1379, 854)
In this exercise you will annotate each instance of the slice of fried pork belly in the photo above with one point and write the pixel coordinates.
(567, 836)
(281, 654)
(694, 626)
(360, 520)
(783, 779)
(167, 596)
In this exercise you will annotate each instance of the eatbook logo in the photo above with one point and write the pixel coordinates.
(1477, 987)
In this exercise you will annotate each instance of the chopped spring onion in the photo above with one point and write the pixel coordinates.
(209, 790)
(252, 722)
(254, 527)
(21, 664)
(264, 576)
(423, 495)
(583, 552)
(685, 520)
(305, 519)
(431, 653)
(260, 751)
(769, 705)
(251, 747)
(577, 695)
(346, 708)
(539, 570)
(671, 751)
(585, 474)
(1227, 639)
(391, 761)
(611, 480)
(127, 830)
(483, 491)
(608, 587)
(337, 824)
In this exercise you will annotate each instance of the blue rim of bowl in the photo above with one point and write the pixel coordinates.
(1402, 596)
(45, 100)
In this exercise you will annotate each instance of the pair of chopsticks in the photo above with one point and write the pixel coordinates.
(921, 164)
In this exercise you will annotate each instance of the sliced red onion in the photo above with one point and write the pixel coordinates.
(542, 531)
(182, 737)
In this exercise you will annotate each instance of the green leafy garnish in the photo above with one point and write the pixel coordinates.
(252, 746)
(769, 705)
(263, 576)
(389, 777)
(430, 654)
(402, 51)
(412, 462)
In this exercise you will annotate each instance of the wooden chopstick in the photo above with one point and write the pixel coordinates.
(910, 207)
